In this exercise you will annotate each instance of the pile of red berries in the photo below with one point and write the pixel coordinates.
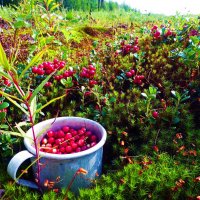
(88, 72)
(48, 67)
(68, 140)
(155, 32)
(138, 79)
(127, 48)
(130, 73)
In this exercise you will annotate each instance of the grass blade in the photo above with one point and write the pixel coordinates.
(34, 61)
(37, 90)
(17, 105)
(55, 99)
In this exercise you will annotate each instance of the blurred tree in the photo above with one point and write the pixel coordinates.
(9, 2)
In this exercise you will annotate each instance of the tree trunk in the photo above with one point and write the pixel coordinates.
(99, 4)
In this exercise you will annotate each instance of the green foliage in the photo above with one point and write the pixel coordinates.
(158, 178)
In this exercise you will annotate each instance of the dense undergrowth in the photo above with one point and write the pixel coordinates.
(145, 92)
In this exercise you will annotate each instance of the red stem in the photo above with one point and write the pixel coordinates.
(35, 143)
(32, 127)
(72, 180)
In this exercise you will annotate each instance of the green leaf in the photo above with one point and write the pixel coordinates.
(4, 126)
(185, 98)
(63, 81)
(112, 100)
(144, 95)
(33, 107)
(39, 88)
(2, 116)
(5, 75)
(3, 59)
(54, 7)
(16, 134)
(17, 105)
(20, 129)
(4, 105)
(176, 94)
(176, 120)
(152, 90)
(51, 101)
(69, 82)
(8, 95)
(33, 62)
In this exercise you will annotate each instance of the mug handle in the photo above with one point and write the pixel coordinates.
(14, 165)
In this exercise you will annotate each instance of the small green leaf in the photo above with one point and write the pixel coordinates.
(144, 95)
(112, 100)
(17, 105)
(33, 107)
(33, 62)
(15, 134)
(2, 116)
(176, 94)
(51, 101)
(185, 98)
(3, 59)
(39, 88)
(69, 82)
(4, 105)
(4, 126)
(176, 120)
(63, 81)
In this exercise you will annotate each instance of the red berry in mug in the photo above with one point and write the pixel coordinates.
(68, 149)
(50, 134)
(74, 146)
(62, 149)
(51, 140)
(93, 138)
(68, 136)
(44, 141)
(66, 128)
(81, 142)
(78, 149)
(60, 134)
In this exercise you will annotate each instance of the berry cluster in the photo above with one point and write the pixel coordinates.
(88, 72)
(5, 81)
(130, 73)
(47, 68)
(66, 74)
(137, 79)
(127, 48)
(68, 140)
(155, 32)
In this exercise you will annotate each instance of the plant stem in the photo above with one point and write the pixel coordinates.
(32, 127)
(35, 143)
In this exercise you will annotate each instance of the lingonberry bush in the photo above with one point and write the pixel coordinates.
(140, 80)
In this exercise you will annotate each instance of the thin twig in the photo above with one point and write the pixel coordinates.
(157, 136)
